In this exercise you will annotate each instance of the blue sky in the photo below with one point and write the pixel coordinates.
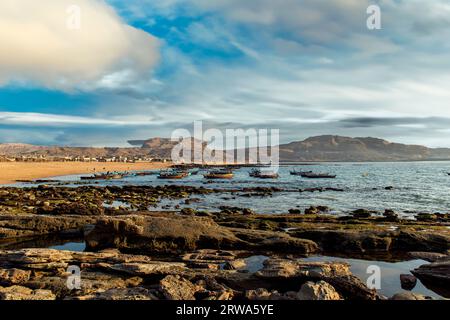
(142, 68)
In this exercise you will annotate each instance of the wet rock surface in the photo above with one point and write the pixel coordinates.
(111, 275)
(137, 254)
(436, 276)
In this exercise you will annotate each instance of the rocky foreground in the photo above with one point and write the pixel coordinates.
(133, 253)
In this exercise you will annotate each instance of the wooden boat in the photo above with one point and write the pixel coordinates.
(108, 176)
(219, 174)
(144, 173)
(318, 176)
(172, 175)
(116, 176)
(256, 173)
(95, 177)
(299, 173)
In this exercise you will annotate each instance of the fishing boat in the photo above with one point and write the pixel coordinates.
(256, 173)
(115, 176)
(104, 176)
(219, 174)
(172, 175)
(144, 173)
(311, 175)
(299, 173)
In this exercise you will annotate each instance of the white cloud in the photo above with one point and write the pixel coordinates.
(38, 46)
(51, 120)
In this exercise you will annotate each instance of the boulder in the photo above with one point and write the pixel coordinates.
(347, 240)
(317, 291)
(159, 234)
(273, 241)
(362, 241)
(435, 276)
(420, 241)
(23, 293)
(177, 288)
(173, 233)
(258, 294)
(13, 276)
(390, 216)
(286, 273)
(19, 226)
(361, 214)
(408, 281)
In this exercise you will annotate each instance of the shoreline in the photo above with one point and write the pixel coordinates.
(10, 172)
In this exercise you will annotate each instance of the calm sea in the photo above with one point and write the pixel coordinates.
(416, 187)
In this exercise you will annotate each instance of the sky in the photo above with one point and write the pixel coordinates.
(99, 73)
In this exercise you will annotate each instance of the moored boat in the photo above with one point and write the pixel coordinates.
(172, 175)
(219, 174)
(299, 173)
(256, 173)
(107, 176)
(318, 175)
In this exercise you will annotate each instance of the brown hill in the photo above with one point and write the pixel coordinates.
(320, 148)
(337, 148)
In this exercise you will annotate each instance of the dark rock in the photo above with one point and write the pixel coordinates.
(361, 214)
(429, 256)
(273, 241)
(435, 276)
(425, 217)
(408, 281)
(311, 210)
(390, 215)
(18, 226)
(347, 241)
(163, 234)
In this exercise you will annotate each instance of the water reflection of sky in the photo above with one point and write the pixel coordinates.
(418, 186)
(390, 273)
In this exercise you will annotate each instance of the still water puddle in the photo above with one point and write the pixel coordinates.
(390, 272)
(70, 246)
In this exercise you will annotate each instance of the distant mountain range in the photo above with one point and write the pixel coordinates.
(337, 148)
(320, 148)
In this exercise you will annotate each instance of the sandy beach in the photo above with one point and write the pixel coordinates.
(13, 171)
